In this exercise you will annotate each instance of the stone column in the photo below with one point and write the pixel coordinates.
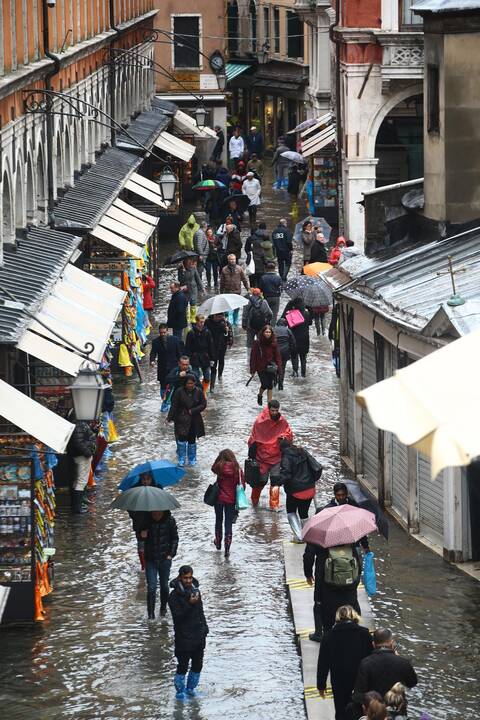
(359, 175)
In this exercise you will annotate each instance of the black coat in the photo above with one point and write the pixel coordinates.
(234, 244)
(199, 347)
(185, 411)
(140, 521)
(82, 441)
(162, 538)
(167, 353)
(271, 284)
(282, 240)
(300, 332)
(222, 335)
(318, 252)
(286, 342)
(380, 671)
(177, 311)
(174, 380)
(298, 470)
(342, 650)
(189, 623)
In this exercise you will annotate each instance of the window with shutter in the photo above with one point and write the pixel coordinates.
(186, 50)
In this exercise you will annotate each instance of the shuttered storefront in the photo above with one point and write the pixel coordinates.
(351, 425)
(399, 466)
(430, 500)
(369, 431)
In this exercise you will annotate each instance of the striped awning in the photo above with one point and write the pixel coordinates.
(234, 69)
(318, 141)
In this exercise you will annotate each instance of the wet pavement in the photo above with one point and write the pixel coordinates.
(96, 655)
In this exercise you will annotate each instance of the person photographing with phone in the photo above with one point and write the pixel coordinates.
(190, 628)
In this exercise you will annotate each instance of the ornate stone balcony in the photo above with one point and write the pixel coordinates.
(402, 57)
(310, 9)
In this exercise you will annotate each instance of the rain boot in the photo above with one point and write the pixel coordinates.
(179, 682)
(294, 523)
(218, 539)
(163, 602)
(192, 454)
(192, 682)
(151, 605)
(255, 497)
(141, 556)
(181, 453)
(77, 506)
(213, 377)
(274, 497)
(205, 386)
(317, 616)
(228, 542)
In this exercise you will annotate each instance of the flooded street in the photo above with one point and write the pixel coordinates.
(96, 656)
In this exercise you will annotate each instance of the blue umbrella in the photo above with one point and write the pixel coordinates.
(164, 473)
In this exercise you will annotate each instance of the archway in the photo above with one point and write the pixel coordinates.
(19, 203)
(399, 143)
(59, 164)
(232, 26)
(67, 166)
(41, 187)
(31, 205)
(8, 222)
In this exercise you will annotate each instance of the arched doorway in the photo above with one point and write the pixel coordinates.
(19, 203)
(232, 26)
(31, 205)
(399, 143)
(8, 223)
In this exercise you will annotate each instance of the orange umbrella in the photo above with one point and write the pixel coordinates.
(316, 268)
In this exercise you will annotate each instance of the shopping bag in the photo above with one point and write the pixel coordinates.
(241, 502)
(252, 473)
(369, 577)
(250, 267)
(211, 494)
(294, 318)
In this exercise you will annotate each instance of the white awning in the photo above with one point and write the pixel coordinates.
(186, 124)
(124, 230)
(147, 189)
(323, 120)
(34, 419)
(131, 210)
(81, 308)
(117, 241)
(319, 141)
(174, 146)
(114, 213)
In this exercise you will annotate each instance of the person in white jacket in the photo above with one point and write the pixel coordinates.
(252, 189)
(236, 147)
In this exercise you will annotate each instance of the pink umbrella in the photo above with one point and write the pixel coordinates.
(339, 525)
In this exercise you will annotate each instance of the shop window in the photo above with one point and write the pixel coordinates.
(433, 99)
(186, 38)
(408, 18)
(294, 35)
(276, 29)
(253, 25)
(266, 24)
(232, 26)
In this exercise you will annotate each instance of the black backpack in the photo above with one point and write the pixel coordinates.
(258, 318)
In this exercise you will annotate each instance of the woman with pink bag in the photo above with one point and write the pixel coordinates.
(299, 321)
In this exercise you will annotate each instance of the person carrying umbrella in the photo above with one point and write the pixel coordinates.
(318, 252)
(252, 189)
(232, 277)
(341, 497)
(185, 412)
(161, 543)
(187, 231)
(200, 349)
(191, 630)
(140, 519)
(301, 332)
(264, 446)
(229, 475)
(166, 351)
(191, 283)
(286, 345)
(222, 335)
(281, 165)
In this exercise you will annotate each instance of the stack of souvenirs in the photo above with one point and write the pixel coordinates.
(136, 323)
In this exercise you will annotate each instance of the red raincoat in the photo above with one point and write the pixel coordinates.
(266, 433)
(148, 286)
(336, 252)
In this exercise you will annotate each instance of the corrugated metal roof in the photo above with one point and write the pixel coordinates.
(408, 288)
(438, 6)
(28, 273)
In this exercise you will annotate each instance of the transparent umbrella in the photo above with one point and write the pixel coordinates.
(222, 303)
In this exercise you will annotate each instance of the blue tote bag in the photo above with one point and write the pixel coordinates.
(369, 577)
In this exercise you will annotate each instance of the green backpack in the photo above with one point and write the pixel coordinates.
(341, 567)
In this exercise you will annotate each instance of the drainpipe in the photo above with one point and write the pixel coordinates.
(49, 115)
(111, 74)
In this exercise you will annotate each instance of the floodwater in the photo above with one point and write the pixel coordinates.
(96, 655)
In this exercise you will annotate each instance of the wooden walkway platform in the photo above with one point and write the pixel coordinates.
(301, 598)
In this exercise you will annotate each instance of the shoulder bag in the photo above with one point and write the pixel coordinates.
(211, 494)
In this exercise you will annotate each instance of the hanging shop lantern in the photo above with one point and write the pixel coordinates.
(200, 116)
(87, 393)
(168, 182)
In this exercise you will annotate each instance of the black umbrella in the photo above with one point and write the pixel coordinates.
(367, 502)
(242, 202)
(179, 256)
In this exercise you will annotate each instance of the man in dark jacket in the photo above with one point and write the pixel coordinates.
(282, 240)
(177, 310)
(287, 346)
(271, 286)
(191, 630)
(161, 543)
(167, 351)
(222, 336)
(255, 142)
(299, 471)
(81, 448)
(218, 149)
(383, 668)
(200, 349)
(301, 333)
(233, 242)
(176, 376)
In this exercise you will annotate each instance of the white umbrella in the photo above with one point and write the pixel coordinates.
(293, 156)
(433, 403)
(222, 304)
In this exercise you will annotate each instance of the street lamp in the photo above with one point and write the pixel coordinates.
(87, 393)
(222, 82)
(200, 116)
(168, 182)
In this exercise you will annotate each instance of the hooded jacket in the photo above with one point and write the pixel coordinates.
(277, 156)
(266, 434)
(190, 277)
(189, 623)
(228, 477)
(285, 340)
(199, 346)
(177, 311)
(299, 470)
(162, 538)
(187, 231)
(83, 441)
(148, 286)
(336, 252)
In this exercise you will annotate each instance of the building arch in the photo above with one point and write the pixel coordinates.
(399, 143)
(415, 88)
(41, 186)
(59, 176)
(8, 217)
(30, 200)
(67, 155)
(20, 220)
